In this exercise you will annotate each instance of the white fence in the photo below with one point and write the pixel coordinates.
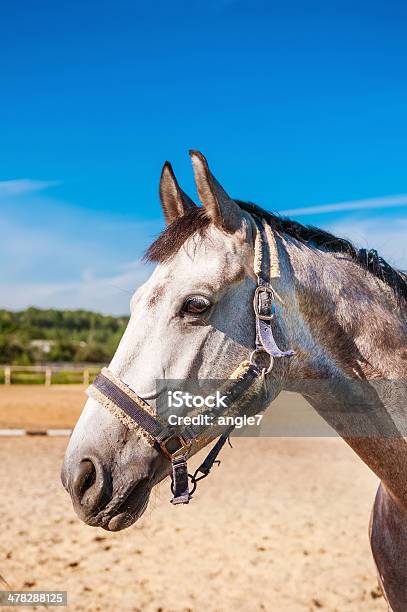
(50, 372)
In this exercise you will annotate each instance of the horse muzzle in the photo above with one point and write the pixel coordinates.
(109, 474)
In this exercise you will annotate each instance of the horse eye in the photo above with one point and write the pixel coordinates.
(196, 305)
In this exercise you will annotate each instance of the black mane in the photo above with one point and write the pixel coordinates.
(195, 221)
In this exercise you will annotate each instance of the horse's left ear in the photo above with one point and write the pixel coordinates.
(225, 213)
(175, 203)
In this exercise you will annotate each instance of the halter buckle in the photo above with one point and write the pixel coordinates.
(252, 360)
(258, 306)
(174, 445)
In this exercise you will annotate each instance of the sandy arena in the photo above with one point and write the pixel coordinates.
(280, 526)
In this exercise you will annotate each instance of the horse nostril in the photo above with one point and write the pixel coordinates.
(84, 478)
(90, 487)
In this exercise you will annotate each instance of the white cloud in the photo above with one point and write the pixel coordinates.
(56, 255)
(23, 186)
(368, 204)
(68, 241)
(109, 294)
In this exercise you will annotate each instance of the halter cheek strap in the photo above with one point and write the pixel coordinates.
(264, 298)
(112, 393)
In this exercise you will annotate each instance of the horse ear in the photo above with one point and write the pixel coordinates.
(175, 203)
(225, 213)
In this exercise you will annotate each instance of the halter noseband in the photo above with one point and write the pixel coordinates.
(135, 413)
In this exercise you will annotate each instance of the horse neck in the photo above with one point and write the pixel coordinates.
(348, 319)
(348, 332)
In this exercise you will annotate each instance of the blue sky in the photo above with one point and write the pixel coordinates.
(298, 106)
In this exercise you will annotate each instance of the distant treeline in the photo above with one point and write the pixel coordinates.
(35, 336)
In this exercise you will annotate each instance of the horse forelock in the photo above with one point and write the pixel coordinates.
(169, 242)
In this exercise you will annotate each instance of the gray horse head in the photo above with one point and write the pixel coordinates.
(193, 319)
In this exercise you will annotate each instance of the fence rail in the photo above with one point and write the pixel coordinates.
(49, 374)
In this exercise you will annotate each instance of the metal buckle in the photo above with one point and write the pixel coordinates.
(256, 300)
(252, 360)
(183, 446)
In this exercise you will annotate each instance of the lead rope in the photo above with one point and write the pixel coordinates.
(207, 464)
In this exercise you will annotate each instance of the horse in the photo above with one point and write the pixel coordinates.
(342, 312)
